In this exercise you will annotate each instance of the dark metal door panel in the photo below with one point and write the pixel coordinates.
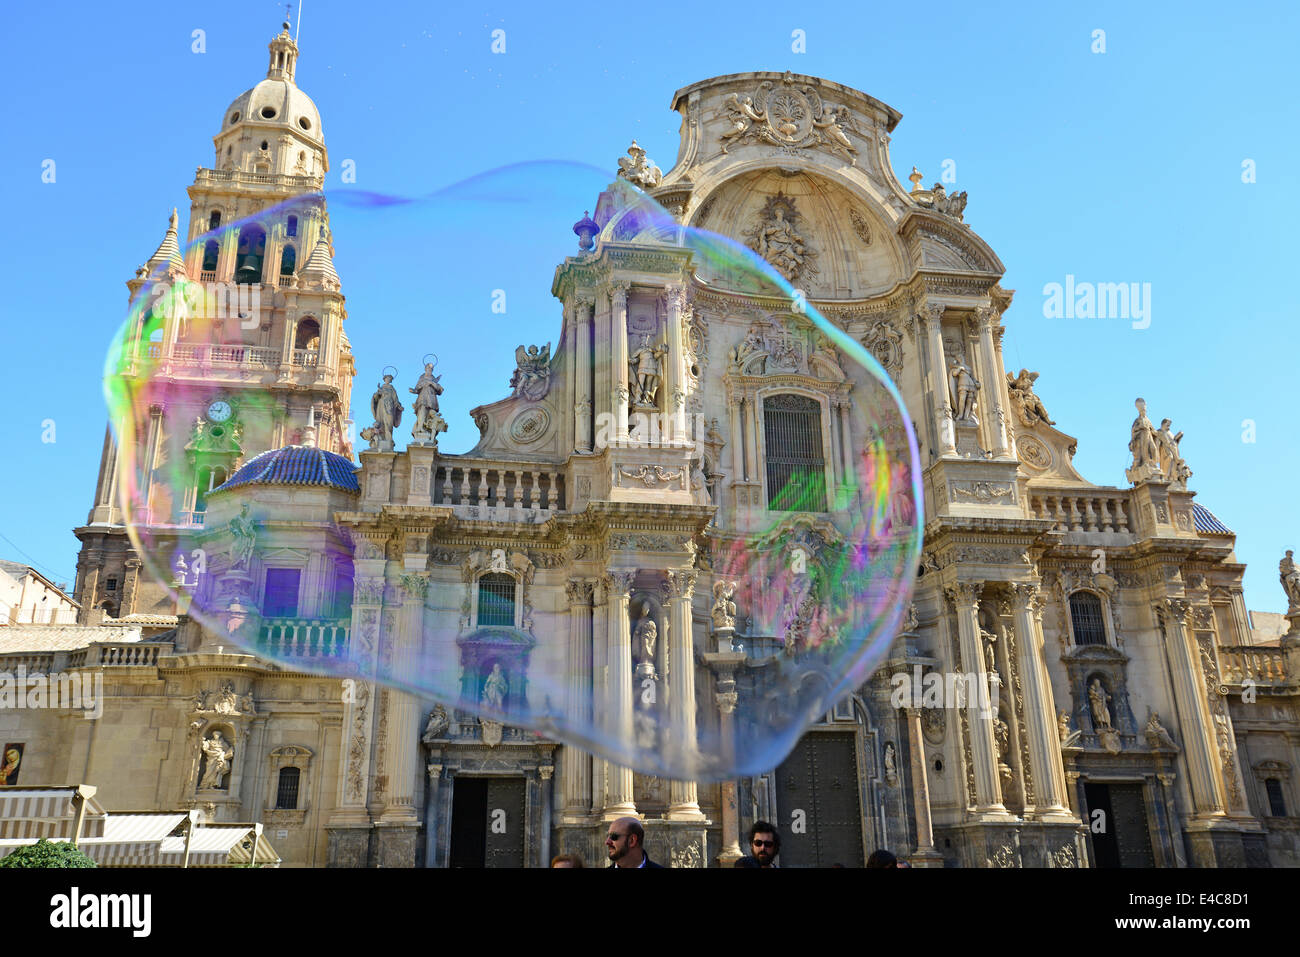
(505, 822)
(1129, 810)
(817, 787)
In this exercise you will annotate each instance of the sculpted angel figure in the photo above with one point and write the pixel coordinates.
(833, 125)
(1031, 406)
(636, 169)
(741, 115)
(218, 753)
(532, 375)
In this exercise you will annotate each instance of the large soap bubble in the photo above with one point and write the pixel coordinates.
(674, 549)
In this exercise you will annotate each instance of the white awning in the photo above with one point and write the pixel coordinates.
(46, 812)
(218, 846)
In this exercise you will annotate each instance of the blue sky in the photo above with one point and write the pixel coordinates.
(1122, 166)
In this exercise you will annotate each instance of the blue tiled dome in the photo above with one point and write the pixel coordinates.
(297, 465)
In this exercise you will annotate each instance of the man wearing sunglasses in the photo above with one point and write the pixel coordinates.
(624, 843)
(764, 845)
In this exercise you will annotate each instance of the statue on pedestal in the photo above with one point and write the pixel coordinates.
(387, 410)
(244, 534)
(1146, 456)
(646, 374)
(219, 754)
(428, 421)
(1098, 698)
(1171, 463)
(1289, 575)
(532, 375)
(495, 688)
(963, 389)
(645, 636)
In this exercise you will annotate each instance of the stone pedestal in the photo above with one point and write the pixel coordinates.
(349, 846)
(395, 845)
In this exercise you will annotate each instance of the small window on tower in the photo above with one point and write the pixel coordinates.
(211, 251)
(234, 117)
(304, 122)
(268, 112)
(264, 144)
(110, 584)
(281, 597)
(291, 226)
(214, 220)
(288, 261)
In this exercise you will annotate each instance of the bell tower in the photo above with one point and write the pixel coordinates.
(258, 351)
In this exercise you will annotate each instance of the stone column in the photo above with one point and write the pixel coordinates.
(965, 597)
(129, 582)
(431, 815)
(683, 803)
(736, 412)
(544, 838)
(920, 787)
(618, 788)
(150, 466)
(674, 378)
(931, 319)
(992, 383)
(599, 688)
(403, 708)
(1050, 795)
(575, 765)
(359, 694)
(753, 440)
(619, 395)
(585, 309)
(1207, 786)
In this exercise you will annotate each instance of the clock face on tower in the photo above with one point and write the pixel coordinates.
(219, 411)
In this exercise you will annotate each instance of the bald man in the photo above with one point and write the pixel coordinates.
(624, 842)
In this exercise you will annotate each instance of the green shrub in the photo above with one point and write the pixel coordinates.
(45, 853)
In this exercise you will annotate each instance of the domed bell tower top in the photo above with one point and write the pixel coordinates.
(284, 54)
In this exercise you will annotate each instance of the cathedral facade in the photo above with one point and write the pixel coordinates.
(1136, 718)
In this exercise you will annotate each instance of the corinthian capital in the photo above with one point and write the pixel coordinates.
(681, 583)
(584, 301)
(965, 594)
(579, 590)
(618, 582)
(1025, 596)
(1176, 608)
(618, 291)
(415, 586)
(986, 318)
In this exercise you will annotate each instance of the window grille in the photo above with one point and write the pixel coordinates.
(1085, 615)
(496, 600)
(796, 465)
(286, 792)
(1276, 804)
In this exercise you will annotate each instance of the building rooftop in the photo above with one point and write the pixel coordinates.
(297, 465)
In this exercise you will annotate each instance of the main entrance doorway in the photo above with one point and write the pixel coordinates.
(818, 805)
(1120, 837)
(487, 822)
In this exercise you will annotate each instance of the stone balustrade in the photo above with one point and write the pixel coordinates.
(238, 177)
(34, 663)
(282, 638)
(1262, 665)
(498, 485)
(1090, 510)
(130, 654)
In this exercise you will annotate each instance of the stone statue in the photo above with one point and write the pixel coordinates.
(646, 372)
(891, 764)
(438, 724)
(244, 533)
(724, 609)
(226, 702)
(638, 170)
(824, 350)
(953, 205)
(777, 239)
(1171, 463)
(1156, 732)
(428, 421)
(532, 376)
(962, 389)
(1098, 697)
(219, 755)
(1146, 459)
(645, 636)
(387, 410)
(712, 435)
(1031, 406)
(1289, 575)
(1063, 725)
(246, 705)
(495, 688)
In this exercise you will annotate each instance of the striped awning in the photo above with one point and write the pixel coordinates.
(218, 846)
(132, 840)
(46, 812)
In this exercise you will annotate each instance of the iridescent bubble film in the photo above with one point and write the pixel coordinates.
(603, 477)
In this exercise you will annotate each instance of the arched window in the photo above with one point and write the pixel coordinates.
(286, 791)
(291, 225)
(248, 261)
(307, 335)
(288, 261)
(208, 479)
(793, 453)
(214, 220)
(496, 600)
(1276, 803)
(1086, 617)
(211, 252)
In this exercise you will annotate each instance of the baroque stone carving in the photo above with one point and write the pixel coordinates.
(963, 388)
(860, 226)
(218, 754)
(532, 376)
(530, 425)
(244, 538)
(1033, 453)
(885, 343)
(985, 493)
(637, 169)
(1029, 407)
(651, 475)
(1143, 445)
(437, 725)
(387, 409)
(790, 117)
(645, 374)
(1172, 465)
(1289, 576)
(428, 420)
(778, 241)
(724, 609)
